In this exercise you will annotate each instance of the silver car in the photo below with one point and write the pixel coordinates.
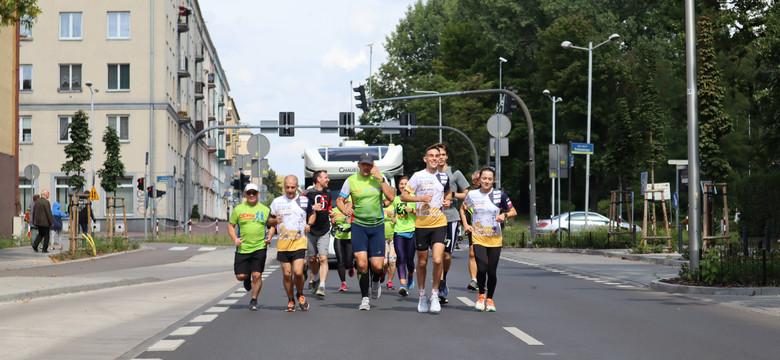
(577, 223)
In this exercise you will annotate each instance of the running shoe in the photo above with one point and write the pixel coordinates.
(60, 247)
(343, 287)
(403, 291)
(480, 305)
(302, 303)
(321, 290)
(52, 248)
(291, 306)
(489, 306)
(473, 286)
(351, 272)
(443, 300)
(376, 290)
(390, 285)
(444, 290)
(410, 281)
(248, 284)
(422, 304)
(312, 287)
(364, 305)
(253, 304)
(435, 305)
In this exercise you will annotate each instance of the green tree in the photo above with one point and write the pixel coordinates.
(24, 11)
(78, 151)
(113, 168)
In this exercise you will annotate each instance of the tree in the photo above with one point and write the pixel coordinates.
(24, 11)
(113, 168)
(78, 151)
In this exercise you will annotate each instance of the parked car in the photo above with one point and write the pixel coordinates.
(595, 220)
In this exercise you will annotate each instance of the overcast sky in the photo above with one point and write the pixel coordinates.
(298, 56)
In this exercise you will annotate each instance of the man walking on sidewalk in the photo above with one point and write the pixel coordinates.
(43, 220)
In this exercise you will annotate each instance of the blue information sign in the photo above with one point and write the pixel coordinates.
(582, 148)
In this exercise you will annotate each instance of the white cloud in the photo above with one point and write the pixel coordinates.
(339, 57)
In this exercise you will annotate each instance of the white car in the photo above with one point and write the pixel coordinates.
(577, 223)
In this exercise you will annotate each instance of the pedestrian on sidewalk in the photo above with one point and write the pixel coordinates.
(43, 220)
(58, 215)
(85, 213)
(251, 217)
(31, 220)
(491, 208)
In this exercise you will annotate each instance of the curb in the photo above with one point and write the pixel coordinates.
(658, 285)
(74, 289)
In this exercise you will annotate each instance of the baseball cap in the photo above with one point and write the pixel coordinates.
(366, 158)
(251, 186)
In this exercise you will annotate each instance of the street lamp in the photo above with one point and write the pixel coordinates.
(552, 210)
(589, 49)
(501, 98)
(92, 92)
(434, 92)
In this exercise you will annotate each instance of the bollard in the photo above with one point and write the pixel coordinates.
(217, 227)
(189, 228)
(157, 227)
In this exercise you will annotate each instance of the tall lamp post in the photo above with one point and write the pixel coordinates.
(554, 100)
(434, 92)
(589, 49)
(92, 92)
(501, 62)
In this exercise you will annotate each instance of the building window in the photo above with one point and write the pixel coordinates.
(118, 77)
(120, 123)
(70, 77)
(61, 191)
(65, 128)
(25, 193)
(70, 26)
(25, 129)
(25, 77)
(25, 31)
(125, 189)
(118, 24)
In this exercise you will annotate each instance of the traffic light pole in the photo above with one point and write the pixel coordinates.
(198, 135)
(529, 123)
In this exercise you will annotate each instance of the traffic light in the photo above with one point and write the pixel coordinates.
(408, 119)
(236, 184)
(361, 97)
(141, 184)
(348, 119)
(160, 193)
(509, 102)
(244, 179)
(286, 118)
(149, 191)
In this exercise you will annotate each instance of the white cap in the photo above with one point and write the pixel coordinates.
(251, 186)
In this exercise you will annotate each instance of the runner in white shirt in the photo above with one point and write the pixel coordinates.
(491, 208)
(291, 216)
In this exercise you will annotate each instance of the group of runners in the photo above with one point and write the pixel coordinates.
(376, 232)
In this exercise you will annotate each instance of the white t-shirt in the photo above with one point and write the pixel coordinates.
(487, 231)
(429, 214)
(291, 230)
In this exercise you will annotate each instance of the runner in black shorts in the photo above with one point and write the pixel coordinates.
(251, 217)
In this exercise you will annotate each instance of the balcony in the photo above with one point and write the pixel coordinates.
(183, 73)
(211, 81)
(199, 90)
(184, 118)
(182, 27)
(212, 145)
(221, 154)
(198, 58)
(198, 125)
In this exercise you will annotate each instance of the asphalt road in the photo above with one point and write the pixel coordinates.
(542, 313)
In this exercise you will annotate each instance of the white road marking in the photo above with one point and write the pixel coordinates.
(612, 283)
(186, 330)
(166, 345)
(207, 248)
(216, 309)
(626, 286)
(204, 318)
(237, 294)
(228, 302)
(179, 248)
(466, 300)
(523, 336)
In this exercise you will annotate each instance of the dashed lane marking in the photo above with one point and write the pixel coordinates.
(166, 345)
(523, 336)
(466, 300)
(228, 302)
(604, 281)
(186, 330)
(207, 248)
(204, 318)
(216, 309)
(179, 248)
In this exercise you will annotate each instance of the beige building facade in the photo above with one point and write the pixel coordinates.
(9, 97)
(149, 70)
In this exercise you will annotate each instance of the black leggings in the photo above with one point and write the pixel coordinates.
(487, 263)
(344, 256)
(404, 252)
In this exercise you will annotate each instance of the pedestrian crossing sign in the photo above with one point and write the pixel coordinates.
(93, 195)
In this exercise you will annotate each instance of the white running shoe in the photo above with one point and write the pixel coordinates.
(364, 305)
(435, 304)
(376, 290)
(422, 304)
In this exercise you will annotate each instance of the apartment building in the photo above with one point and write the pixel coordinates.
(9, 206)
(145, 68)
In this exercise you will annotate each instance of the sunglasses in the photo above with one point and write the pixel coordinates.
(251, 192)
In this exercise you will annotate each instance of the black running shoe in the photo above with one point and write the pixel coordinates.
(248, 284)
(253, 304)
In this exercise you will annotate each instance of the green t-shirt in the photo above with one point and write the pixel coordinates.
(341, 220)
(367, 198)
(404, 221)
(251, 221)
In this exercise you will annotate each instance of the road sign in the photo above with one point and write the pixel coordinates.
(499, 126)
(93, 195)
(266, 130)
(163, 179)
(643, 179)
(665, 187)
(504, 146)
(391, 131)
(677, 162)
(260, 168)
(329, 126)
(675, 200)
(258, 146)
(582, 148)
(559, 166)
(32, 172)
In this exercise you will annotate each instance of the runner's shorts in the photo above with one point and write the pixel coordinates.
(290, 256)
(249, 263)
(426, 237)
(452, 236)
(369, 239)
(318, 245)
